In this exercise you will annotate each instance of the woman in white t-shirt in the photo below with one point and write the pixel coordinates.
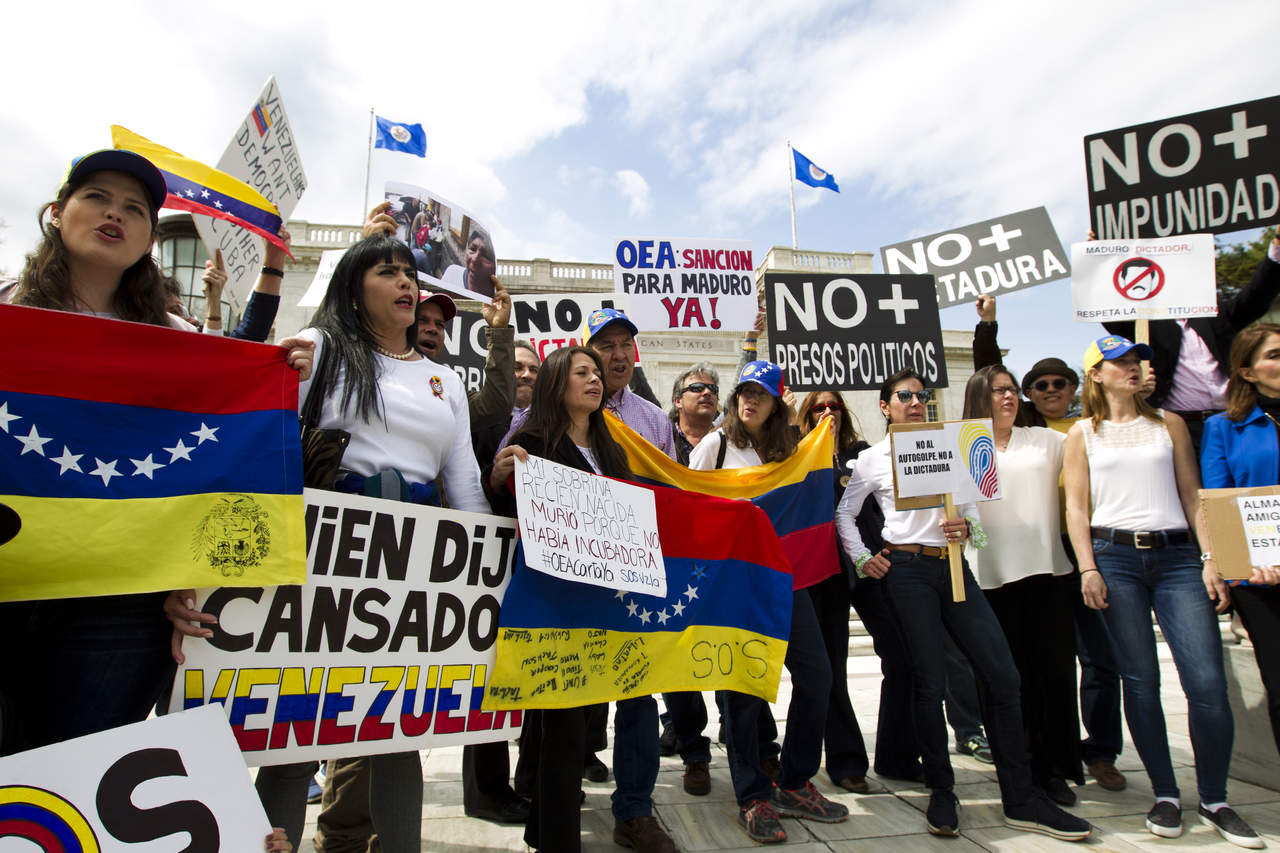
(1137, 553)
(1025, 575)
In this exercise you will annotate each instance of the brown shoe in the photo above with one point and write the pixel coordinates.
(1108, 777)
(855, 784)
(644, 834)
(697, 779)
(771, 767)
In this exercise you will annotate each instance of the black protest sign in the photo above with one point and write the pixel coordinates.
(1011, 252)
(1212, 171)
(465, 350)
(851, 333)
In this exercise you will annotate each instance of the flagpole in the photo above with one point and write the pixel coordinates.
(367, 163)
(791, 186)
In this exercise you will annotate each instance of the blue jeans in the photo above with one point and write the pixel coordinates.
(801, 756)
(920, 589)
(635, 756)
(1168, 580)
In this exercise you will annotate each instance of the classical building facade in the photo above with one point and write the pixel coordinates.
(664, 355)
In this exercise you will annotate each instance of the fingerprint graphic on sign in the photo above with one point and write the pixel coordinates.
(45, 819)
(979, 453)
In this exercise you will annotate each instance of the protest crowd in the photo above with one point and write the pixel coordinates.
(1098, 526)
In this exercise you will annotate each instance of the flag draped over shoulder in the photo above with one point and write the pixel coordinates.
(796, 494)
(198, 188)
(141, 459)
(723, 625)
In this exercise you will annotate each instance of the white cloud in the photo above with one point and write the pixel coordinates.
(635, 189)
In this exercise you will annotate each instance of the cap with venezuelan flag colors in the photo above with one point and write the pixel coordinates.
(1112, 347)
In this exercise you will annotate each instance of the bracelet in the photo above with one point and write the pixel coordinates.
(275, 271)
(209, 318)
(1206, 557)
(1086, 571)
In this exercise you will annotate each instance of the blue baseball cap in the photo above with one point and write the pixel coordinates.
(766, 374)
(117, 160)
(1112, 347)
(602, 317)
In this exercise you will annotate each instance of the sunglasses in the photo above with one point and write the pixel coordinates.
(826, 407)
(905, 396)
(699, 387)
(1058, 383)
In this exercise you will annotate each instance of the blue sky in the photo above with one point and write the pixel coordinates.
(566, 125)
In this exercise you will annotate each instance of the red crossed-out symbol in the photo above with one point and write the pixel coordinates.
(1138, 279)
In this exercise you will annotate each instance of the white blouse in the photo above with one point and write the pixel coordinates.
(1131, 479)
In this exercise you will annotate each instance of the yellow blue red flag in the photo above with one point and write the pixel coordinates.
(143, 459)
(723, 625)
(796, 494)
(198, 188)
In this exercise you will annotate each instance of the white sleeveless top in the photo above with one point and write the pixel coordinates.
(1131, 480)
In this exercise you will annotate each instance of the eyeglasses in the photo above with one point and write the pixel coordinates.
(905, 396)
(1001, 390)
(825, 407)
(699, 387)
(1058, 383)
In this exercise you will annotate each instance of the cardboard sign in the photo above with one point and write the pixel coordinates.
(555, 321)
(385, 649)
(685, 284)
(1170, 278)
(1011, 252)
(841, 333)
(1243, 527)
(582, 527)
(956, 458)
(452, 250)
(170, 783)
(263, 154)
(1213, 171)
(320, 283)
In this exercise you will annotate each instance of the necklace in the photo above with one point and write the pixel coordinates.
(397, 356)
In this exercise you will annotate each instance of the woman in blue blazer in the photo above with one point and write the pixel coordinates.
(1241, 447)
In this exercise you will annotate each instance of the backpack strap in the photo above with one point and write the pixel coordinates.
(724, 448)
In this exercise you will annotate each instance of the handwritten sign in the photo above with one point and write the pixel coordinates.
(1168, 278)
(451, 249)
(1260, 516)
(1243, 527)
(263, 154)
(320, 283)
(953, 457)
(386, 648)
(583, 527)
(687, 283)
(169, 783)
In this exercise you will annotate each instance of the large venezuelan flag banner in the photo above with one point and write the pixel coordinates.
(141, 459)
(796, 494)
(723, 625)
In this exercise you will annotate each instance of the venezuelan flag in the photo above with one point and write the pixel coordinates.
(796, 494)
(141, 459)
(198, 188)
(721, 627)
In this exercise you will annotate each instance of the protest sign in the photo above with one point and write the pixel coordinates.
(169, 783)
(451, 249)
(582, 527)
(555, 320)
(1169, 278)
(465, 348)
(387, 647)
(944, 463)
(263, 154)
(1213, 171)
(320, 283)
(687, 283)
(1243, 527)
(836, 332)
(1011, 252)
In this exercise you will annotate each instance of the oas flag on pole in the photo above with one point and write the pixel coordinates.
(808, 173)
(167, 460)
(396, 136)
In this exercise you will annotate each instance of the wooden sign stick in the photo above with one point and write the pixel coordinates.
(953, 554)
(1142, 335)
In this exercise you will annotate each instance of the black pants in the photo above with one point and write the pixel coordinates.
(1259, 609)
(486, 768)
(554, 742)
(897, 751)
(1037, 617)
(846, 752)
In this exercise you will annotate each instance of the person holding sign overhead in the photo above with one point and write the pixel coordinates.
(565, 424)
(914, 565)
(1137, 468)
(1242, 448)
(1026, 577)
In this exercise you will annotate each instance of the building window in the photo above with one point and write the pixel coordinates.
(931, 412)
(183, 258)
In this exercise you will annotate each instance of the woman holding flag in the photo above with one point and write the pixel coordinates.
(756, 431)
